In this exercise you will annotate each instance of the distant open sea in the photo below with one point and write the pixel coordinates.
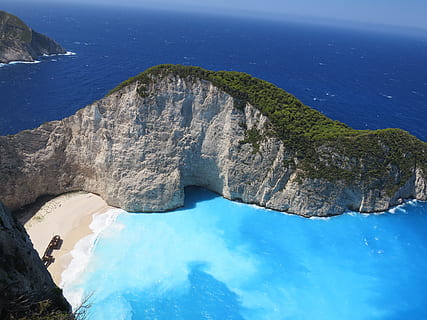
(216, 259)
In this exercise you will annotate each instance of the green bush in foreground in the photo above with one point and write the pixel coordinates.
(48, 305)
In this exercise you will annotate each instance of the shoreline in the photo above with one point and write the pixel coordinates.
(69, 216)
(35, 61)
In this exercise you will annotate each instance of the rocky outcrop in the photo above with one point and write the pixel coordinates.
(24, 280)
(21, 269)
(18, 42)
(142, 145)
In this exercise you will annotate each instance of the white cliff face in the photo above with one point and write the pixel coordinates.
(145, 151)
(139, 153)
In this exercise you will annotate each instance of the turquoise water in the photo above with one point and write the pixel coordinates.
(217, 259)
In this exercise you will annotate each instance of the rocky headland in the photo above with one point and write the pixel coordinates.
(175, 126)
(18, 42)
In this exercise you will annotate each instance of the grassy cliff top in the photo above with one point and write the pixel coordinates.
(301, 128)
(13, 28)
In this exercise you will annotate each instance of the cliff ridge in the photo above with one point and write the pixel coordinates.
(175, 126)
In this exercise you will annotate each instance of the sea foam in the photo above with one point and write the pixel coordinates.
(82, 254)
(68, 53)
(216, 259)
(19, 62)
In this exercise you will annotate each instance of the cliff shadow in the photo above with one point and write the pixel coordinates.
(26, 212)
(195, 194)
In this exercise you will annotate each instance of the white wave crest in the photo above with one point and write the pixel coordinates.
(81, 256)
(19, 62)
(319, 218)
(68, 53)
(25, 62)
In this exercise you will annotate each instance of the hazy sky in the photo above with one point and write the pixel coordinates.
(411, 13)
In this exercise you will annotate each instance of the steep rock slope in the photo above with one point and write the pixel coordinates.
(24, 280)
(175, 126)
(18, 42)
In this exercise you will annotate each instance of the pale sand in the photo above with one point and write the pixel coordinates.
(68, 216)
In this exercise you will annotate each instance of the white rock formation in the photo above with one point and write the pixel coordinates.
(139, 153)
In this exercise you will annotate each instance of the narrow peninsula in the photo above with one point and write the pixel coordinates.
(174, 126)
(18, 42)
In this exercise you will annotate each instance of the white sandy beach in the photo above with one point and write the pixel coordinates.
(68, 216)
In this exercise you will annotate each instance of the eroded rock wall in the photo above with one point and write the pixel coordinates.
(139, 151)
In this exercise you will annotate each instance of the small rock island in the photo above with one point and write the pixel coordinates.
(18, 42)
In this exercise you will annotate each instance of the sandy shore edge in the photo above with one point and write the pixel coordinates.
(69, 216)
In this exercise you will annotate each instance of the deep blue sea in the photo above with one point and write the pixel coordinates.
(216, 259)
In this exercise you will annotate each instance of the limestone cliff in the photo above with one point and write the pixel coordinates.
(175, 126)
(18, 42)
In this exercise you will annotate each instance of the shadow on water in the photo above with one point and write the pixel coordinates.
(204, 298)
(194, 195)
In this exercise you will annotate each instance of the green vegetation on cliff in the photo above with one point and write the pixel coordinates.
(294, 123)
(325, 148)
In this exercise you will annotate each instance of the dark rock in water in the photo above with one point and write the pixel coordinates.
(18, 42)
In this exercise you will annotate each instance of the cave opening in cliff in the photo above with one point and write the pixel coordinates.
(195, 194)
